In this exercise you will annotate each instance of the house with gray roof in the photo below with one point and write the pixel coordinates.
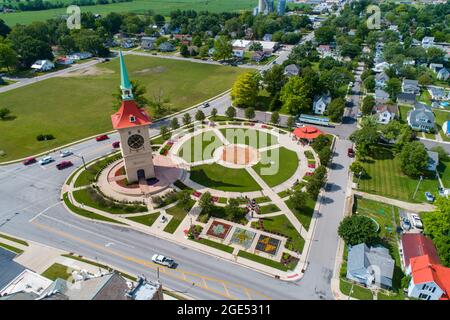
(381, 96)
(166, 47)
(437, 93)
(410, 86)
(443, 74)
(406, 98)
(320, 103)
(291, 70)
(8, 267)
(148, 43)
(370, 266)
(421, 118)
(381, 79)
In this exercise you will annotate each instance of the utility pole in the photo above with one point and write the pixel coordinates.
(417, 188)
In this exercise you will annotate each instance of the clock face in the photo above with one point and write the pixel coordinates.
(135, 141)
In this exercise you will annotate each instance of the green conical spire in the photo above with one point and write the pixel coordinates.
(125, 83)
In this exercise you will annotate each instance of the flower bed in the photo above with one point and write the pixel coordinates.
(268, 245)
(243, 237)
(219, 230)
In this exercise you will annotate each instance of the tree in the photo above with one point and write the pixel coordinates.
(138, 90)
(369, 83)
(4, 113)
(367, 105)
(336, 109)
(299, 199)
(275, 117)
(214, 112)
(324, 35)
(206, 203)
(187, 119)
(365, 138)
(316, 181)
(174, 123)
(245, 90)
(8, 57)
(295, 96)
(184, 199)
(231, 112)
(222, 48)
(184, 51)
(425, 79)
(200, 116)
(274, 79)
(393, 87)
(233, 210)
(358, 169)
(4, 29)
(357, 229)
(250, 113)
(324, 156)
(290, 123)
(164, 131)
(256, 46)
(413, 158)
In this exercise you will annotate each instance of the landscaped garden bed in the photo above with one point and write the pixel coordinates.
(243, 237)
(178, 213)
(268, 245)
(219, 230)
(90, 175)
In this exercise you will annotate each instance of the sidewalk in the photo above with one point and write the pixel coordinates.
(415, 207)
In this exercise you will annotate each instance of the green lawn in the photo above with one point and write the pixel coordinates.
(11, 248)
(147, 219)
(385, 178)
(262, 260)
(215, 176)
(282, 226)
(358, 292)
(214, 244)
(77, 107)
(88, 176)
(56, 271)
(305, 215)
(22, 242)
(269, 209)
(86, 213)
(277, 165)
(200, 147)
(163, 7)
(178, 214)
(254, 138)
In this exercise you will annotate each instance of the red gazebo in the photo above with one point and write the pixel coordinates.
(307, 133)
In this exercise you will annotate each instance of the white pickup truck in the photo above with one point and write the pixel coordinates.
(162, 260)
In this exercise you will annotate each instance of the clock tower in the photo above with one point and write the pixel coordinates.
(131, 122)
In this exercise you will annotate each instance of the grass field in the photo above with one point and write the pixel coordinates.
(262, 260)
(11, 248)
(178, 213)
(216, 245)
(277, 170)
(200, 147)
(270, 208)
(77, 107)
(385, 178)
(163, 7)
(215, 176)
(147, 219)
(357, 291)
(281, 225)
(22, 242)
(305, 215)
(56, 271)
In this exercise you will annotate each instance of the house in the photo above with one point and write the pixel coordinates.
(324, 50)
(429, 280)
(64, 61)
(27, 281)
(9, 268)
(258, 56)
(267, 37)
(409, 62)
(406, 98)
(381, 79)
(410, 86)
(433, 160)
(166, 47)
(443, 74)
(241, 44)
(427, 42)
(385, 112)
(320, 103)
(268, 46)
(446, 128)
(437, 93)
(380, 67)
(435, 67)
(43, 65)
(370, 266)
(381, 96)
(148, 43)
(79, 56)
(421, 118)
(416, 245)
(291, 70)
(238, 53)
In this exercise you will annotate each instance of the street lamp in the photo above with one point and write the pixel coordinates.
(417, 188)
(82, 159)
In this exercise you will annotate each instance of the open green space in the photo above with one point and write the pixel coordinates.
(147, 219)
(86, 213)
(11, 248)
(262, 260)
(76, 107)
(56, 271)
(270, 208)
(22, 242)
(357, 291)
(200, 147)
(250, 137)
(91, 198)
(217, 177)
(215, 245)
(178, 213)
(90, 175)
(304, 215)
(276, 165)
(282, 226)
(385, 178)
(163, 7)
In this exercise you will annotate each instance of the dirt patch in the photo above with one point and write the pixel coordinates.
(91, 71)
(239, 155)
(158, 69)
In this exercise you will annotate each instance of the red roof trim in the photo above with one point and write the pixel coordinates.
(121, 119)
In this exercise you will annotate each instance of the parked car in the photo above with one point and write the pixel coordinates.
(102, 137)
(29, 161)
(405, 224)
(66, 153)
(206, 104)
(416, 221)
(441, 191)
(351, 152)
(429, 196)
(162, 260)
(46, 160)
(116, 144)
(64, 164)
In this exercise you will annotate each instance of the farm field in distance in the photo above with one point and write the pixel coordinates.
(76, 106)
(163, 7)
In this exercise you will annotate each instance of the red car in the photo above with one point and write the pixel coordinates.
(102, 137)
(116, 144)
(64, 164)
(351, 152)
(29, 161)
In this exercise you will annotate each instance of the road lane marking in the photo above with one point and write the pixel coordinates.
(145, 263)
(45, 210)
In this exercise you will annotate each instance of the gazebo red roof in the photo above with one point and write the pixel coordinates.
(129, 111)
(307, 132)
